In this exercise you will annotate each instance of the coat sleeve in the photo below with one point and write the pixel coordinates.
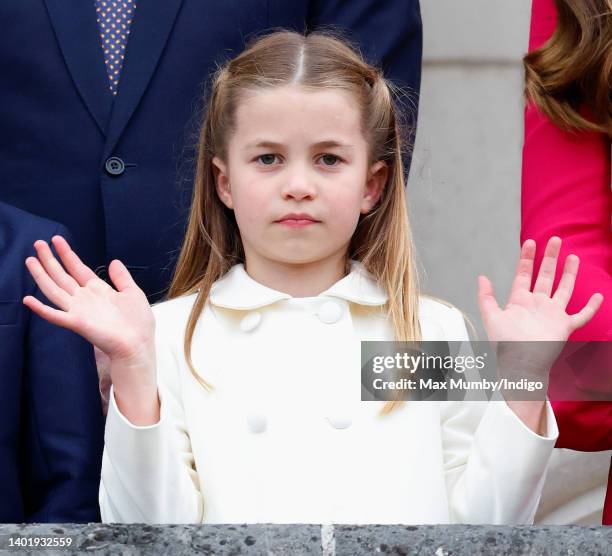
(494, 465)
(148, 472)
(63, 423)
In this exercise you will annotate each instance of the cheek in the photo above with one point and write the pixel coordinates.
(345, 204)
(250, 204)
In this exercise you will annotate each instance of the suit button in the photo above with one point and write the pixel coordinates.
(115, 166)
(339, 422)
(256, 422)
(250, 322)
(330, 312)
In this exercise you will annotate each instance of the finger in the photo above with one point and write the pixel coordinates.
(486, 298)
(54, 316)
(588, 311)
(121, 277)
(80, 271)
(546, 276)
(53, 268)
(524, 269)
(52, 291)
(568, 279)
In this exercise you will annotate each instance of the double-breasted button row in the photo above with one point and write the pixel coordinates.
(258, 423)
(329, 313)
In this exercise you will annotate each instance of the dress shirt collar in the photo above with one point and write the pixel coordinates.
(237, 290)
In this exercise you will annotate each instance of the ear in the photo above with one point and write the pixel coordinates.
(222, 184)
(375, 185)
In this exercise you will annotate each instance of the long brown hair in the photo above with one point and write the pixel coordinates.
(573, 69)
(382, 240)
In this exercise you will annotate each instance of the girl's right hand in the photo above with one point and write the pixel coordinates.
(118, 322)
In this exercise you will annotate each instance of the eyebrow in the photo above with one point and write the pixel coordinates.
(328, 144)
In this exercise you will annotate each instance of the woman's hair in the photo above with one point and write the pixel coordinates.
(382, 240)
(573, 69)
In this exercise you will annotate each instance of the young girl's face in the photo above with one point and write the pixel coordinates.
(297, 175)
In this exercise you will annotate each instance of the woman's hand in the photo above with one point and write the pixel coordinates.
(533, 316)
(120, 322)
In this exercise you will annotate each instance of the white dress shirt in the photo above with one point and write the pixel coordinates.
(284, 436)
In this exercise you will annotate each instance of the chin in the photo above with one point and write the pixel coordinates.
(298, 258)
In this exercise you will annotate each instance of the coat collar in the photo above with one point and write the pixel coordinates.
(237, 290)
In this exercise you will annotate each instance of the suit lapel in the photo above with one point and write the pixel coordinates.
(153, 21)
(77, 33)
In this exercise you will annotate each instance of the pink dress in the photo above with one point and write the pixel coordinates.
(566, 191)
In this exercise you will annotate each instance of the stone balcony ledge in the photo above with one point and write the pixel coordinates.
(327, 540)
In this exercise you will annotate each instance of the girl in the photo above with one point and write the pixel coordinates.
(238, 398)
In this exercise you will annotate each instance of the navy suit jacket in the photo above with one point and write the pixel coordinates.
(60, 125)
(51, 424)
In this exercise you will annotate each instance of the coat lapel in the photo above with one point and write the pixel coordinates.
(153, 21)
(77, 33)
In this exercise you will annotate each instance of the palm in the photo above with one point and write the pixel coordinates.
(536, 316)
(115, 321)
(126, 312)
(529, 316)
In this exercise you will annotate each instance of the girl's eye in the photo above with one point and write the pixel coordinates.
(329, 157)
(267, 159)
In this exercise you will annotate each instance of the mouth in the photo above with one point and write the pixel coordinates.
(297, 220)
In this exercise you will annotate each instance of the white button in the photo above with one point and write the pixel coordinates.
(250, 322)
(256, 422)
(330, 312)
(339, 421)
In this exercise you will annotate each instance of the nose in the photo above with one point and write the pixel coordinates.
(299, 184)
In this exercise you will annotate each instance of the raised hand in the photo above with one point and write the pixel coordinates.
(534, 325)
(536, 315)
(118, 322)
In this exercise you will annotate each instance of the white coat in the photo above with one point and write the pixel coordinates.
(284, 437)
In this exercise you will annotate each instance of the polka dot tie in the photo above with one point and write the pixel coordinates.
(114, 18)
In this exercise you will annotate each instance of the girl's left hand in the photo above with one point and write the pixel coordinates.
(536, 315)
(534, 325)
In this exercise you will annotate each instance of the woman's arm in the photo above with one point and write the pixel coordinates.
(566, 192)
